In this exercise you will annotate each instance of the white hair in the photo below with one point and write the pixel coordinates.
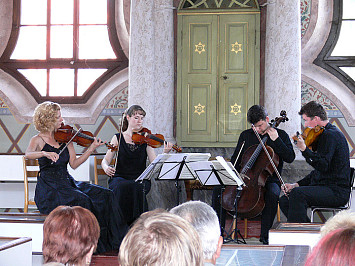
(205, 221)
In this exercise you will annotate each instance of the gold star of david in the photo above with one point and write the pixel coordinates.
(236, 109)
(236, 47)
(199, 109)
(200, 48)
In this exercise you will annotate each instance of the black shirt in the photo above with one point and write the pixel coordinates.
(331, 162)
(282, 147)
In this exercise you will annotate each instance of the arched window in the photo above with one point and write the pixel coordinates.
(62, 50)
(338, 54)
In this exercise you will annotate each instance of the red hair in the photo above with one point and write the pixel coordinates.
(335, 248)
(69, 233)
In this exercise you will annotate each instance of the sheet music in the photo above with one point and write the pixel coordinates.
(206, 176)
(148, 172)
(172, 164)
(231, 170)
(168, 166)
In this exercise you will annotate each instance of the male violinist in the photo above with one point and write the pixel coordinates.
(280, 142)
(329, 183)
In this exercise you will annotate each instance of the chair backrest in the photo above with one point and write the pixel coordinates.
(30, 172)
(98, 169)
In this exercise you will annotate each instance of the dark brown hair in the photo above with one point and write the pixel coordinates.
(68, 235)
(256, 113)
(131, 111)
(313, 109)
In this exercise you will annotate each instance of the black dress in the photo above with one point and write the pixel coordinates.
(55, 186)
(131, 196)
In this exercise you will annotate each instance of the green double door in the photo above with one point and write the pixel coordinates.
(218, 77)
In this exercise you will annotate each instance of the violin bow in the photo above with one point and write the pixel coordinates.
(269, 157)
(66, 145)
(119, 140)
(241, 148)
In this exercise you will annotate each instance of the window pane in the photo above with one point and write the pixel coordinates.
(94, 43)
(33, 12)
(348, 9)
(61, 82)
(62, 11)
(62, 42)
(86, 77)
(31, 43)
(350, 71)
(93, 12)
(38, 78)
(345, 44)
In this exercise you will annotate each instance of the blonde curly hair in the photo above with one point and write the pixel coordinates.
(45, 116)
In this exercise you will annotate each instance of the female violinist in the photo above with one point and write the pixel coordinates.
(55, 186)
(131, 161)
(280, 142)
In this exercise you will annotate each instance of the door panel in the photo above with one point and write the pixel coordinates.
(218, 77)
(237, 82)
(234, 120)
(198, 83)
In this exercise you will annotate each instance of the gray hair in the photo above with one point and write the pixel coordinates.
(205, 221)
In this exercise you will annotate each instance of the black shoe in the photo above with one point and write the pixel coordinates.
(264, 240)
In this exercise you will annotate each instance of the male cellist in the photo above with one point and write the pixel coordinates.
(329, 183)
(280, 142)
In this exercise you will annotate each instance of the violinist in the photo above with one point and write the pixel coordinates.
(280, 142)
(329, 183)
(131, 161)
(55, 186)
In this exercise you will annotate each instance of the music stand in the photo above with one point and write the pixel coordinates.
(173, 167)
(221, 173)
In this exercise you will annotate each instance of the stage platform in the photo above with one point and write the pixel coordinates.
(23, 225)
(235, 255)
(295, 234)
(16, 251)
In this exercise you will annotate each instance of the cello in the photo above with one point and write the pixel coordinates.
(257, 164)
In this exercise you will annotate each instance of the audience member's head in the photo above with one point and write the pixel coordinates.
(70, 236)
(205, 221)
(161, 238)
(343, 219)
(335, 248)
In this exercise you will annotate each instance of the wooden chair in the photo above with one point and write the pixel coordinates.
(30, 172)
(98, 169)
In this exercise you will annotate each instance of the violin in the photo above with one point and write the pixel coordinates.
(153, 140)
(65, 134)
(310, 136)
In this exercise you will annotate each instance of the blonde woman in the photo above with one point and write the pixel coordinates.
(161, 238)
(55, 186)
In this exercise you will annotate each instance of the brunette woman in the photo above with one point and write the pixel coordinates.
(131, 162)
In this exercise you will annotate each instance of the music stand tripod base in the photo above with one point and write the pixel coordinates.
(229, 236)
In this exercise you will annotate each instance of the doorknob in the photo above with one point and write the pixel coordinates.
(224, 77)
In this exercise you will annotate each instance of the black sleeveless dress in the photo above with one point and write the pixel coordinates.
(131, 196)
(55, 186)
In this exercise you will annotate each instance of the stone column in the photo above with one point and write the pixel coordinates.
(283, 62)
(151, 63)
(151, 78)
